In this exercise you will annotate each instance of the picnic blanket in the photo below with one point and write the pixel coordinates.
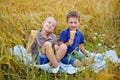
(99, 61)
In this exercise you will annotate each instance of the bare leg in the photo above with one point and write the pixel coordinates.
(61, 52)
(48, 51)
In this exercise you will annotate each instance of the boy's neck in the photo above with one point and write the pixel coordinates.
(44, 33)
(72, 29)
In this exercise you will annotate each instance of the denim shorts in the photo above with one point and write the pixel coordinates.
(70, 59)
(41, 59)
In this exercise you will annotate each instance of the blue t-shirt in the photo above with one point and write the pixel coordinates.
(78, 39)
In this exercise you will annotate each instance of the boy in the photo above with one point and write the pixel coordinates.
(45, 44)
(73, 38)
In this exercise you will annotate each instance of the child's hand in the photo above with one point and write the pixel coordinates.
(33, 34)
(70, 41)
(56, 47)
(30, 37)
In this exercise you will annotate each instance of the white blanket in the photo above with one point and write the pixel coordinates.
(99, 61)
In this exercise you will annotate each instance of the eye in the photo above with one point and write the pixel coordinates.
(53, 25)
(75, 22)
(71, 22)
(49, 22)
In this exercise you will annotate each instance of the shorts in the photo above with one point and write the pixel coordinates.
(41, 59)
(70, 59)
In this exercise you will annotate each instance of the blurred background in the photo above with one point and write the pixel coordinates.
(100, 23)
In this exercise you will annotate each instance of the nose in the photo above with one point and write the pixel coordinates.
(73, 24)
(50, 25)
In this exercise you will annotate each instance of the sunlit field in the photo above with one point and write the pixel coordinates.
(100, 24)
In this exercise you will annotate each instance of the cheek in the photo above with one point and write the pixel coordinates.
(77, 25)
(51, 29)
(44, 25)
(69, 24)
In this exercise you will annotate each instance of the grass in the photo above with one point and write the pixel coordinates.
(100, 24)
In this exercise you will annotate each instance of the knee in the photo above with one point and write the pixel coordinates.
(47, 44)
(63, 47)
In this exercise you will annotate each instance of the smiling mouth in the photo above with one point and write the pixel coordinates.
(73, 27)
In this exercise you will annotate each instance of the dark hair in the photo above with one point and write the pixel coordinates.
(73, 14)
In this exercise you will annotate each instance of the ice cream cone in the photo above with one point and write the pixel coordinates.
(72, 34)
(33, 35)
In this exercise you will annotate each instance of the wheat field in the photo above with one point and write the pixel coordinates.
(100, 24)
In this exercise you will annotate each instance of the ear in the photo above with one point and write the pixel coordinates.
(79, 21)
(66, 21)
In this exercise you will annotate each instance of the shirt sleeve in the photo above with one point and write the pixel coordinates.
(34, 47)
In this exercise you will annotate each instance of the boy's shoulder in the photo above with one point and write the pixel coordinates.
(66, 30)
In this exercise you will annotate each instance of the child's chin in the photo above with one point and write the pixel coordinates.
(50, 31)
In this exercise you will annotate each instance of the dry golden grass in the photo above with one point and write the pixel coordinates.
(19, 17)
(103, 75)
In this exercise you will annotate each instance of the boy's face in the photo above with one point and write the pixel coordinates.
(49, 25)
(73, 23)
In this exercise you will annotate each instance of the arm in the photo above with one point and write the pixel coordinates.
(55, 44)
(70, 42)
(82, 49)
(28, 47)
(67, 43)
(63, 38)
(31, 40)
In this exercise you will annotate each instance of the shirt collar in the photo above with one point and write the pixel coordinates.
(40, 35)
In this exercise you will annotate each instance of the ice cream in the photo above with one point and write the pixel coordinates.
(72, 34)
(33, 33)
(31, 39)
